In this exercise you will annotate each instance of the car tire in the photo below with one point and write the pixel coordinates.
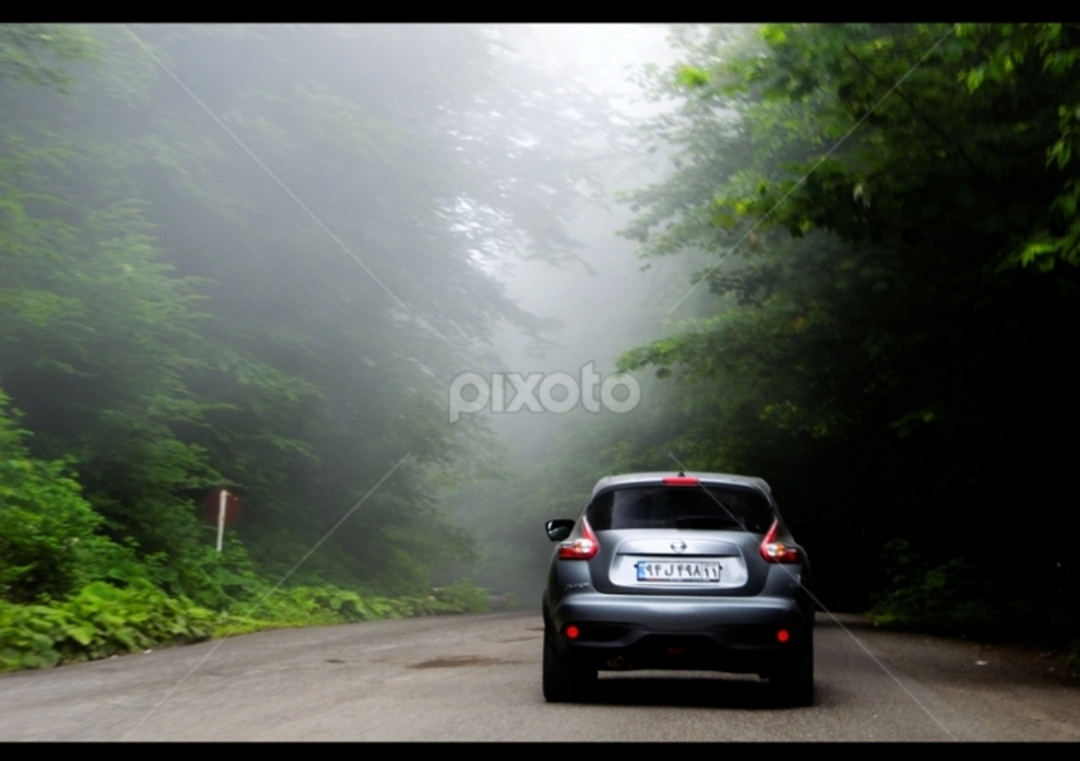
(564, 681)
(794, 686)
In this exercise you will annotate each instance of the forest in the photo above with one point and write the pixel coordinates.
(842, 257)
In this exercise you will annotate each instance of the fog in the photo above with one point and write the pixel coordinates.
(601, 304)
(378, 281)
(322, 227)
(608, 299)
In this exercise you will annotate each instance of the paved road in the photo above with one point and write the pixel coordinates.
(478, 678)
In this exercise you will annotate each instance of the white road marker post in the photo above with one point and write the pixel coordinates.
(221, 518)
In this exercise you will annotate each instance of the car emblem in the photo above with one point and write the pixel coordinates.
(678, 546)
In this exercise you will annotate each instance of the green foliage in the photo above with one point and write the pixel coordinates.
(99, 621)
(30, 52)
(49, 540)
(1073, 656)
(98, 337)
(890, 210)
(464, 596)
(950, 596)
(326, 605)
(692, 77)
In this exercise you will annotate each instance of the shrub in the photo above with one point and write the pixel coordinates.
(99, 621)
(944, 596)
(48, 544)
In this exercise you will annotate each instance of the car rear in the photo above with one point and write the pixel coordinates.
(680, 572)
(496, 600)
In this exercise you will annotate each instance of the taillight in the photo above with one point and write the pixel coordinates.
(681, 481)
(777, 552)
(582, 548)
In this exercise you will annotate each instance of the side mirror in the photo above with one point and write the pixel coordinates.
(558, 530)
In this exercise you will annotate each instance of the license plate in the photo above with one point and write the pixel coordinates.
(705, 572)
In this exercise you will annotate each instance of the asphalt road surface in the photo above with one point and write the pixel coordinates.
(479, 678)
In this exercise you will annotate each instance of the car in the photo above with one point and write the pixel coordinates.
(496, 600)
(669, 571)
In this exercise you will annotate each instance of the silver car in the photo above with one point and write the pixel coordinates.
(689, 572)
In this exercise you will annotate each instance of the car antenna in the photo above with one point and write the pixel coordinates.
(681, 473)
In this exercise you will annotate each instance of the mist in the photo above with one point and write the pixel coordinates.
(408, 291)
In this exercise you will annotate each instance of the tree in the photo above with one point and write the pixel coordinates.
(884, 349)
(273, 294)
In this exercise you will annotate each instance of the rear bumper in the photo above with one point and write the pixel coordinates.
(736, 635)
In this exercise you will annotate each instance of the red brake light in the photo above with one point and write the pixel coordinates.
(572, 632)
(783, 635)
(681, 481)
(777, 552)
(583, 548)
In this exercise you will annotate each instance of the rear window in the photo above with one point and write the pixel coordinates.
(710, 508)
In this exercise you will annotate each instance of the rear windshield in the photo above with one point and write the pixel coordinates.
(709, 508)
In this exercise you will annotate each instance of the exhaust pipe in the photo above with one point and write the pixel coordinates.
(619, 663)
